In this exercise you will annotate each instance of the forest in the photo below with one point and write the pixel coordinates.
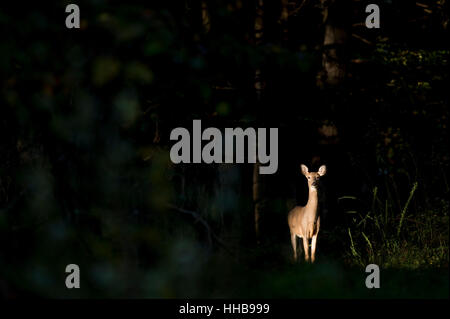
(86, 175)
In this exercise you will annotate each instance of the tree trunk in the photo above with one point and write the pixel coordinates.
(284, 21)
(337, 20)
(257, 198)
(206, 22)
(258, 41)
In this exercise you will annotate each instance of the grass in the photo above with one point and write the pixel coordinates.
(401, 239)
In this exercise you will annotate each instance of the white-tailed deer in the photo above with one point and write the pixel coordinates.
(304, 221)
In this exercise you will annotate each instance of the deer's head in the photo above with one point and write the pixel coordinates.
(313, 177)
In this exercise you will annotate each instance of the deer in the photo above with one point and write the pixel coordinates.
(304, 221)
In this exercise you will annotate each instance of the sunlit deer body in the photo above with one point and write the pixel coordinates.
(304, 221)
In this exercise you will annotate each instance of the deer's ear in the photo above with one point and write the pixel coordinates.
(322, 170)
(304, 169)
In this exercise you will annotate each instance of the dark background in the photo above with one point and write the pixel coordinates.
(85, 173)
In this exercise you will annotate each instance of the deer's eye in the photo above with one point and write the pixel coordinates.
(309, 177)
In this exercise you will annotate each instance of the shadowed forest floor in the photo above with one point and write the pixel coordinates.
(330, 278)
(266, 271)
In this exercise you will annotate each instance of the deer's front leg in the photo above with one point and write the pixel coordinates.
(313, 247)
(306, 248)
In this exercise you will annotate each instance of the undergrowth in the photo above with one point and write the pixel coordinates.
(398, 238)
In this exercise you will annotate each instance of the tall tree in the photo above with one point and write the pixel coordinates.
(337, 21)
(257, 198)
(206, 22)
(284, 20)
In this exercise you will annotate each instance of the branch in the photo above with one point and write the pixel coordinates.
(296, 10)
(361, 38)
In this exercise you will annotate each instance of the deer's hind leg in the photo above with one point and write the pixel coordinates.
(294, 244)
(306, 247)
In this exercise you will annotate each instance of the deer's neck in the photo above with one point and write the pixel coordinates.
(311, 205)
